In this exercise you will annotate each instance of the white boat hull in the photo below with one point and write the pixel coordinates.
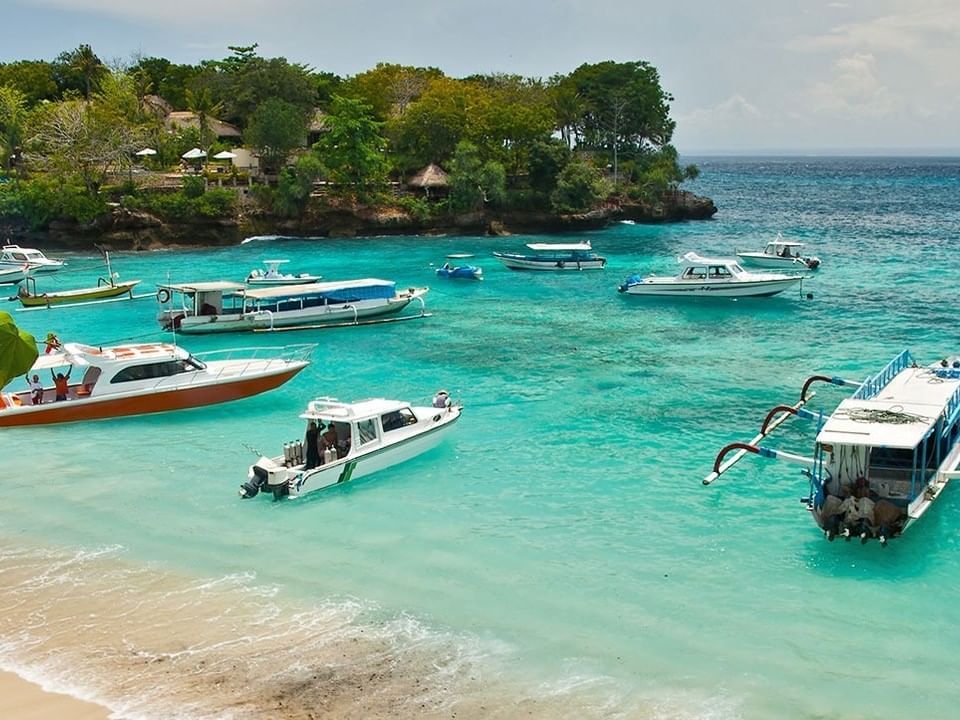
(758, 259)
(267, 320)
(670, 287)
(365, 461)
(522, 263)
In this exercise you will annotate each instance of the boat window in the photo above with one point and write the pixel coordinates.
(891, 463)
(736, 268)
(149, 371)
(366, 431)
(719, 271)
(19, 256)
(698, 273)
(397, 419)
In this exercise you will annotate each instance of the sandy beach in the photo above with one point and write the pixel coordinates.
(22, 700)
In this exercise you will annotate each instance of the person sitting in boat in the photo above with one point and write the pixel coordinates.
(785, 252)
(61, 384)
(36, 389)
(441, 399)
(329, 440)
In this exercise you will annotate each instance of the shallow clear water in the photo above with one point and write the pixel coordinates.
(558, 555)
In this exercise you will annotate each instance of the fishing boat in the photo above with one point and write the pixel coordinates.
(271, 276)
(215, 307)
(106, 288)
(780, 253)
(464, 272)
(553, 256)
(345, 441)
(145, 378)
(882, 458)
(14, 256)
(709, 277)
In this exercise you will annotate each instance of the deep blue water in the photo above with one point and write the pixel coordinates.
(557, 556)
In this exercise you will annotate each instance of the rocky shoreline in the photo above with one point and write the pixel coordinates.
(122, 229)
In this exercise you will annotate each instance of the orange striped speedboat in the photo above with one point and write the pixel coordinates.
(147, 378)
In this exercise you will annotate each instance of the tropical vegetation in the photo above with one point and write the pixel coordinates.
(71, 128)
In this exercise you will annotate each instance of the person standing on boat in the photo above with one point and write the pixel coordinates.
(61, 384)
(441, 399)
(312, 441)
(36, 390)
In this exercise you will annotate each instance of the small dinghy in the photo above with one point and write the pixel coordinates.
(464, 272)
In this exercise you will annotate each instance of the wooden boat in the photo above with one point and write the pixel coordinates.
(882, 458)
(215, 307)
(554, 256)
(709, 277)
(147, 378)
(30, 297)
(351, 440)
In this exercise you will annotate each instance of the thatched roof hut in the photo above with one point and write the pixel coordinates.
(185, 119)
(432, 177)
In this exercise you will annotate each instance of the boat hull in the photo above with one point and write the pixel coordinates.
(698, 288)
(72, 296)
(163, 400)
(361, 464)
(520, 262)
(329, 314)
(773, 261)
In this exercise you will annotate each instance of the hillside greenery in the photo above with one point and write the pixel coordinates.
(70, 129)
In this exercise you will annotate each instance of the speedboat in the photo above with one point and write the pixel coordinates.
(780, 253)
(553, 256)
(466, 272)
(271, 276)
(215, 307)
(709, 277)
(345, 441)
(882, 458)
(14, 256)
(146, 378)
(14, 276)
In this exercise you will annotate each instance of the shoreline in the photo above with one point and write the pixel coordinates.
(21, 699)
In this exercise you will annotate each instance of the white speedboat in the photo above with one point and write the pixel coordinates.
(14, 256)
(13, 276)
(108, 382)
(345, 441)
(709, 277)
(216, 307)
(553, 256)
(780, 253)
(271, 276)
(882, 458)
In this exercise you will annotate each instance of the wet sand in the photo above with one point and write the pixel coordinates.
(22, 700)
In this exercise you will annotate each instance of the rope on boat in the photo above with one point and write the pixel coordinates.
(885, 417)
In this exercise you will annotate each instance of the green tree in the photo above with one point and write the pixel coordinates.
(274, 130)
(473, 182)
(13, 118)
(580, 186)
(547, 160)
(389, 89)
(201, 103)
(295, 185)
(33, 78)
(352, 149)
(80, 69)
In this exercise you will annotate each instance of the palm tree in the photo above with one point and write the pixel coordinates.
(85, 62)
(202, 105)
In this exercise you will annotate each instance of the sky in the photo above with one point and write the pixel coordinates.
(806, 76)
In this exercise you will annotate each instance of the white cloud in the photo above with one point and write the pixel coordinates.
(853, 90)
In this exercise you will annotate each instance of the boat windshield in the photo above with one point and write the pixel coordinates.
(150, 371)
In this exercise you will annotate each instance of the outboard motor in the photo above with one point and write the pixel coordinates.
(257, 479)
(265, 475)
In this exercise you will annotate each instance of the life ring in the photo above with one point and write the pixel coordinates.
(163, 295)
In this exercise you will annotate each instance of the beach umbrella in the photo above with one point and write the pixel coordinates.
(145, 152)
(224, 155)
(18, 350)
(194, 154)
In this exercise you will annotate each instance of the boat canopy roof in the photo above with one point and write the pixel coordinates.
(548, 247)
(79, 354)
(861, 422)
(785, 243)
(212, 286)
(270, 293)
(691, 258)
(327, 408)
(275, 262)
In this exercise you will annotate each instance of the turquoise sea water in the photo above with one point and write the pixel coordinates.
(558, 555)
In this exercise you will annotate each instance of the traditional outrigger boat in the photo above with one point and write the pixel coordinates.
(146, 378)
(215, 307)
(882, 458)
(106, 288)
(554, 256)
(345, 441)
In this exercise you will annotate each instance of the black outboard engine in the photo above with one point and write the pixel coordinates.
(252, 486)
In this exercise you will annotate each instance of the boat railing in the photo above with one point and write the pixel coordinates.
(871, 386)
(287, 353)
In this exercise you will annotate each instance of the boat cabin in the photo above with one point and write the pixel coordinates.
(563, 251)
(784, 249)
(701, 268)
(298, 297)
(14, 255)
